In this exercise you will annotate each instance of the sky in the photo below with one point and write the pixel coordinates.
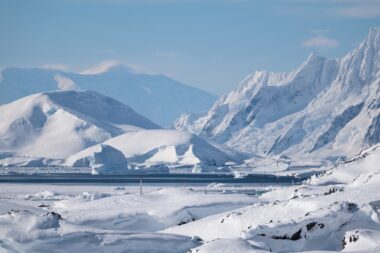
(209, 44)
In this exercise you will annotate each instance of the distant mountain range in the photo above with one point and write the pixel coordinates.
(325, 109)
(157, 97)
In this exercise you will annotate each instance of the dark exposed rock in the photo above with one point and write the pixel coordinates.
(54, 214)
(333, 190)
(284, 237)
(352, 207)
(297, 235)
(311, 225)
(185, 222)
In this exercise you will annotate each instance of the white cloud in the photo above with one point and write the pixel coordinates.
(321, 42)
(101, 68)
(347, 8)
(64, 83)
(56, 66)
(360, 11)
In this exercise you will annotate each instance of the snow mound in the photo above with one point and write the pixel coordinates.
(25, 226)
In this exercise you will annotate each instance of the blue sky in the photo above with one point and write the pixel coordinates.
(211, 44)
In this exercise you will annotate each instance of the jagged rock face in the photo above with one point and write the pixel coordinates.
(326, 107)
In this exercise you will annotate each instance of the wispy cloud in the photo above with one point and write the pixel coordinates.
(320, 42)
(360, 10)
(349, 8)
(101, 67)
(64, 83)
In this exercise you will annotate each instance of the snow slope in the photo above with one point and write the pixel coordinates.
(168, 147)
(326, 109)
(157, 97)
(336, 211)
(61, 123)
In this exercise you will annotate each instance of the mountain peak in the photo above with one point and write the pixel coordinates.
(312, 58)
(374, 30)
(373, 37)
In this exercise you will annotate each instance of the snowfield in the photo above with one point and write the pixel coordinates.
(38, 218)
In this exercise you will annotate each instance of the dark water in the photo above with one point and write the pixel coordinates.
(65, 178)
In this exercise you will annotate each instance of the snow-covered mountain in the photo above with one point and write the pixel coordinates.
(326, 108)
(86, 129)
(61, 123)
(157, 97)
